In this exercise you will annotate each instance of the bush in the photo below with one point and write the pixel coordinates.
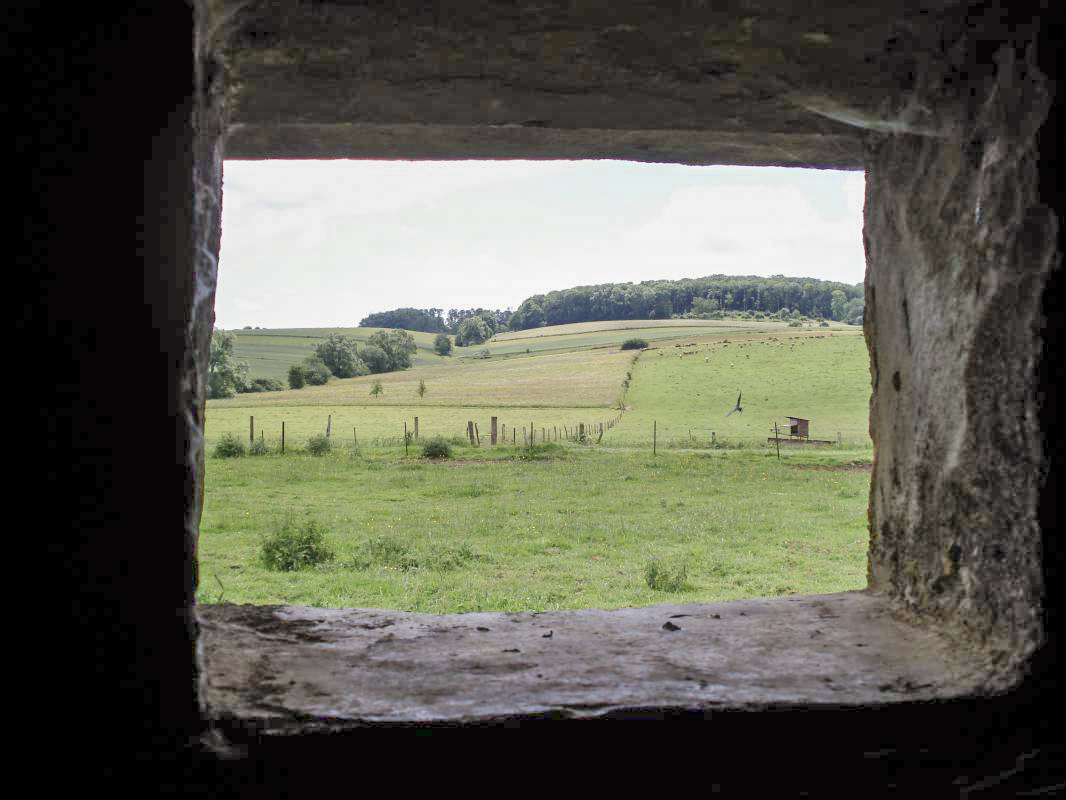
(264, 385)
(662, 579)
(376, 359)
(315, 371)
(319, 444)
(296, 377)
(341, 356)
(259, 448)
(634, 344)
(442, 345)
(472, 330)
(437, 447)
(229, 446)
(795, 324)
(823, 324)
(293, 545)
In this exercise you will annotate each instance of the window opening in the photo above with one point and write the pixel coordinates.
(642, 392)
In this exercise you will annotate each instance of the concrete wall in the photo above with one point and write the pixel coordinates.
(959, 248)
(111, 279)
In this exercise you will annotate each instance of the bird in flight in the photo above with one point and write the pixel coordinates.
(736, 407)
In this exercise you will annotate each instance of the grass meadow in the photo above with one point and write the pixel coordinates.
(569, 525)
(570, 528)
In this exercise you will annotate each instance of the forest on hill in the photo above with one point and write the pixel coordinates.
(709, 297)
(697, 297)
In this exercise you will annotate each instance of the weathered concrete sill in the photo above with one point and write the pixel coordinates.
(284, 667)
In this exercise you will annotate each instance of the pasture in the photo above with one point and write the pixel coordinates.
(575, 529)
(575, 525)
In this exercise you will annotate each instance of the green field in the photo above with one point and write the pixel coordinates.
(491, 530)
(573, 531)
(270, 353)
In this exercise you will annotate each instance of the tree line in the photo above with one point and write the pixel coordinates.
(710, 297)
(434, 320)
(714, 295)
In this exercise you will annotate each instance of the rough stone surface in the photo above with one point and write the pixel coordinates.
(958, 253)
(283, 666)
(737, 82)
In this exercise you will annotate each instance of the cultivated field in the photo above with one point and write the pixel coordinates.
(270, 353)
(575, 525)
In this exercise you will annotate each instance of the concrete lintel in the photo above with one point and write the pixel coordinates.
(457, 142)
(287, 667)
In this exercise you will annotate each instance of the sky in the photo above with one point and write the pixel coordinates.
(325, 243)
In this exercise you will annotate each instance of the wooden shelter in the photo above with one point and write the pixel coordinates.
(798, 432)
(798, 428)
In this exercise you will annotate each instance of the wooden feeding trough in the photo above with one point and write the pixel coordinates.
(798, 432)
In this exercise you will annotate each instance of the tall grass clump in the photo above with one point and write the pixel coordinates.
(319, 445)
(294, 545)
(662, 579)
(437, 447)
(259, 448)
(229, 446)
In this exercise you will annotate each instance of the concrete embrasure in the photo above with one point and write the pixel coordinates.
(281, 665)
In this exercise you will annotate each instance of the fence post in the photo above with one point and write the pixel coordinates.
(581, 432)
(405, 437)
(470, 430)
(416, 429)
(477, 434)
(493, 432)
(329, 425)
(283, 436)
(251, 430)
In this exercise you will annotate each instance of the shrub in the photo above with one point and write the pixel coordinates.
(264, 385)
(634, 344)
(823, 324)
(319, 444)
(442, 345)
(662, 579)
(376, 389)
(259, 448)
(472, 330)
(229, 446)
(293, 545)
(437, 447)
(795, 324)
(341, 356)
(296, 377)
(315, 371)
(376, 359)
